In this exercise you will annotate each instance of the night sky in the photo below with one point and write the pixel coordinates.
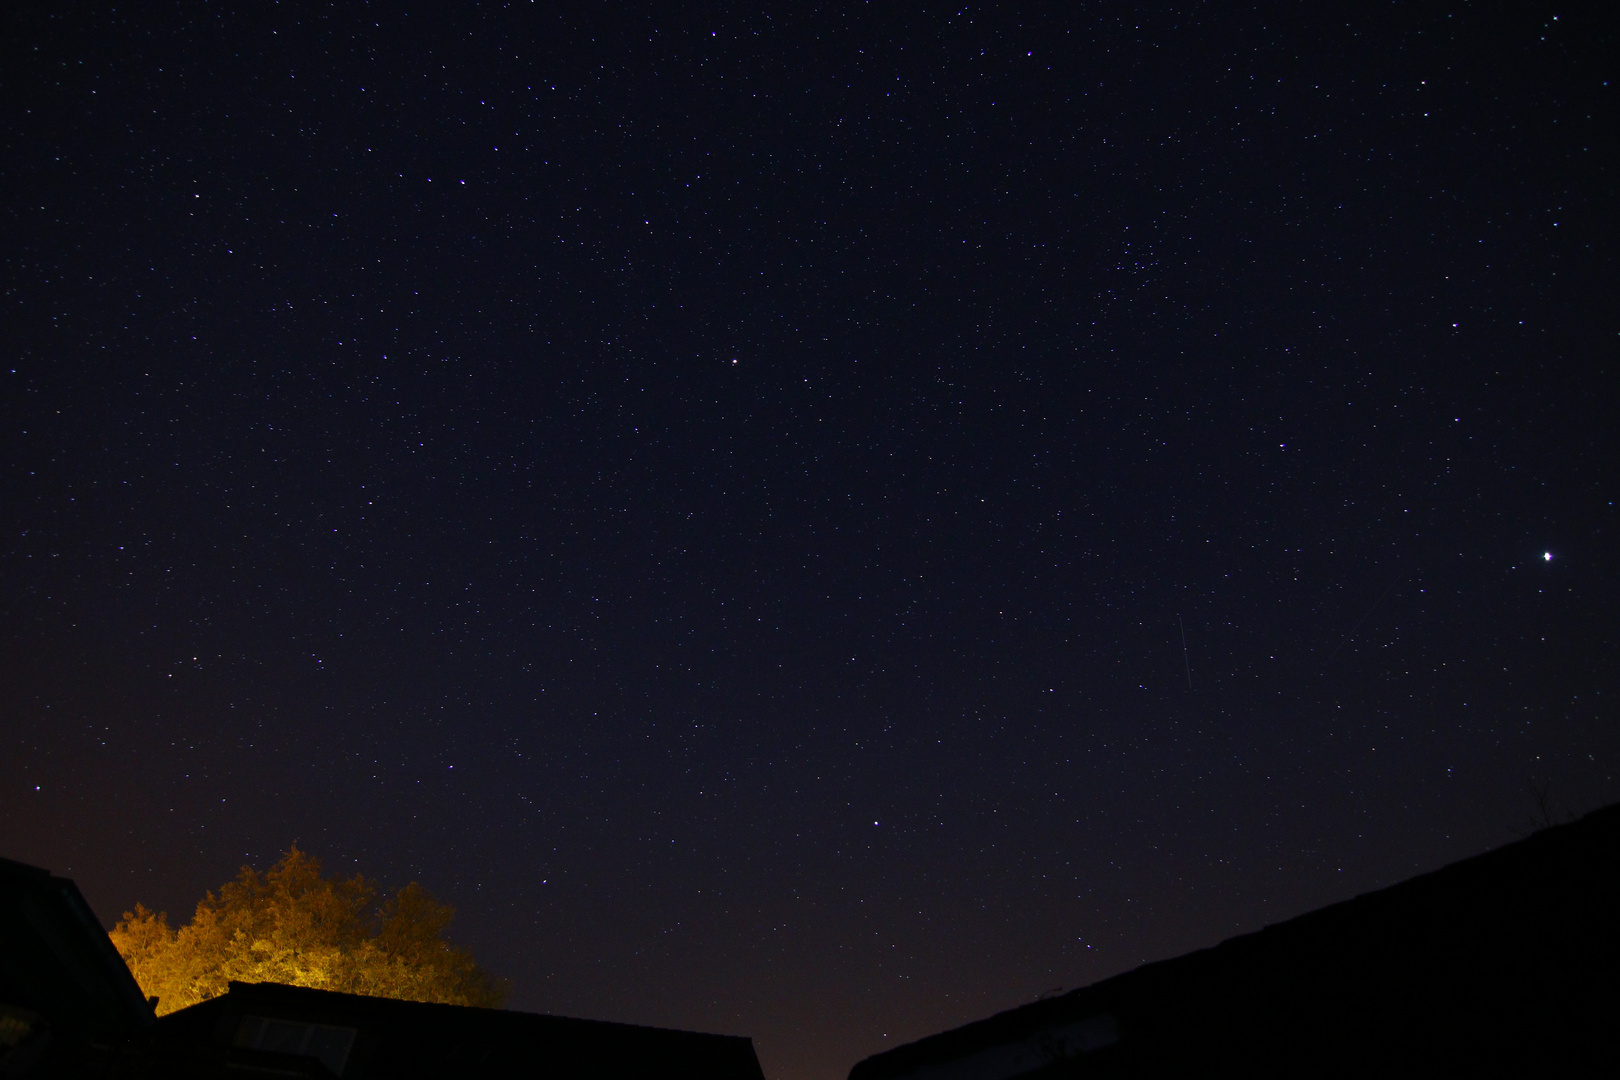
(819, 525)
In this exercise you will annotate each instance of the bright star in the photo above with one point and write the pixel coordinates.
(1547, 555)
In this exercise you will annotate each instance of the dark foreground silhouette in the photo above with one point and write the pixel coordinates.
(1507, 964)
(1503, 964)
(70, 1009)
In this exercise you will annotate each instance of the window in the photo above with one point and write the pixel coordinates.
(325, 1043)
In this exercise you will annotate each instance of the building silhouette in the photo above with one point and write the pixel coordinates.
(1503, 964)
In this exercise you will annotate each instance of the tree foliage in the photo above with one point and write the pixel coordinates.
(291, 925)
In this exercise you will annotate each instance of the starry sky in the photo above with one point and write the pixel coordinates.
(811, 522)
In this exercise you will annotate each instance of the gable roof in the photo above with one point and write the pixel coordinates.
(1508, 959)
(362, 1037)
(57, 961)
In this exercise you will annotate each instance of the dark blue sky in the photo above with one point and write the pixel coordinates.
(818, 525)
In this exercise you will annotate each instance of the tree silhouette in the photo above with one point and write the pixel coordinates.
(291, 925)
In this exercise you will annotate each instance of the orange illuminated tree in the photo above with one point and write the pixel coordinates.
(292, 925)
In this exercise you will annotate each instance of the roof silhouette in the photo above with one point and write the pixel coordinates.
(1502, 962)
(360, 1037)
(70, 1008)
(60, 977)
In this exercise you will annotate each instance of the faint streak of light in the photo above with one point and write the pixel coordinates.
(1353, 629)
(1184, 658)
